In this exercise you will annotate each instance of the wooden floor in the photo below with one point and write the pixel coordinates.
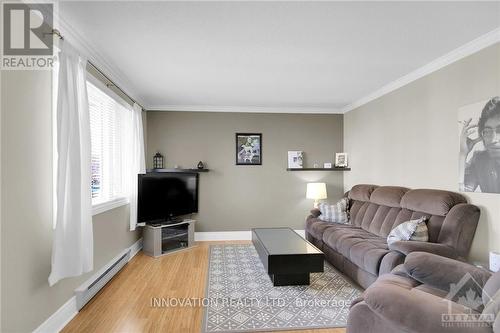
(124, 305)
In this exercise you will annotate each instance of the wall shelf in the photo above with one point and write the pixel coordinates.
(177, 170)
(318, 169)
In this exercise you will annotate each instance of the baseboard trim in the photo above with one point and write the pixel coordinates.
(59, 319)
(301, 232)
(205, 236)
(135, 248)
(222, 235)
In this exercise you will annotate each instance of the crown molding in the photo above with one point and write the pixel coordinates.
(463, 51)
(88, 49)
(244, 109)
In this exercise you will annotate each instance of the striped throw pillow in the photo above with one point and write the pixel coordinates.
(338, 213)
(415, 230)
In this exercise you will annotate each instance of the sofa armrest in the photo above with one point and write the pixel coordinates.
(459, 227)
(407, 247)
(315, 212)
(441, 272)
(394, 299)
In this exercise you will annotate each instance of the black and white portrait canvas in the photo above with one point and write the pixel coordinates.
(248, 149)
(479, 154)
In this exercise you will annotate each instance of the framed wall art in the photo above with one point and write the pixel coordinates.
(248, 148)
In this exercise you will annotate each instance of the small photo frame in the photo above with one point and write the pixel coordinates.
(295, 159)
(248, 148)
(341, 160)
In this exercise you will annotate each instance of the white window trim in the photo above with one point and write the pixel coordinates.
(108, 205)
(102, 207)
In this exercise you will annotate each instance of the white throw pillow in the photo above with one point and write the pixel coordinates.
(415, 230)
(337, 213)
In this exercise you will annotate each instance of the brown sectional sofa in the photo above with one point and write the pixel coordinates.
(360, 249)
(418, 296)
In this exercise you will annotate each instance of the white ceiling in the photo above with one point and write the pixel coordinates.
(295, 56)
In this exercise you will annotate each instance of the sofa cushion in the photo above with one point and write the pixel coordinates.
(316, 227)
(380, 220)
(365, 254)
(336, 235)
(389, 196)
(362, 248)
(338, 213)
(361, 192)
(333, 227)
(412, 230)
(434, 202)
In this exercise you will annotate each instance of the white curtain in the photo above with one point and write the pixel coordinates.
(137, 161)
(72, 249)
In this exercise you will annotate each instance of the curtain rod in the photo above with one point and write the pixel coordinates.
(57, 33)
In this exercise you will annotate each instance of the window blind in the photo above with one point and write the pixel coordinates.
(108, 125)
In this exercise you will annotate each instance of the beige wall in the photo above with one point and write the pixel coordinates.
(26, 207)
(409, 137)
(241, 197)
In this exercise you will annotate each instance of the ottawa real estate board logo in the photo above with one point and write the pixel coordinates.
(28, 41)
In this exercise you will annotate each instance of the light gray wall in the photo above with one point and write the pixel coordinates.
(26, 207)
(409, 137)
(241, 197)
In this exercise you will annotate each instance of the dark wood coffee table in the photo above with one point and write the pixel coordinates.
(287, 257)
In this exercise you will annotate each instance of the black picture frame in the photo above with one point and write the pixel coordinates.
(255, 154)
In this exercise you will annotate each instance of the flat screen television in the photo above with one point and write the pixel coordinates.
(165, 195)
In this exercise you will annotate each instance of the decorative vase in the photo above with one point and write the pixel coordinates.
(201, 165)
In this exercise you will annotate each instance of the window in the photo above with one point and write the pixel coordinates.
(108, 127)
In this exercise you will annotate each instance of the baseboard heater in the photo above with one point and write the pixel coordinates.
(89, 289)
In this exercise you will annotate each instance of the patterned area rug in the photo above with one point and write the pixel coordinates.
(242, 298)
